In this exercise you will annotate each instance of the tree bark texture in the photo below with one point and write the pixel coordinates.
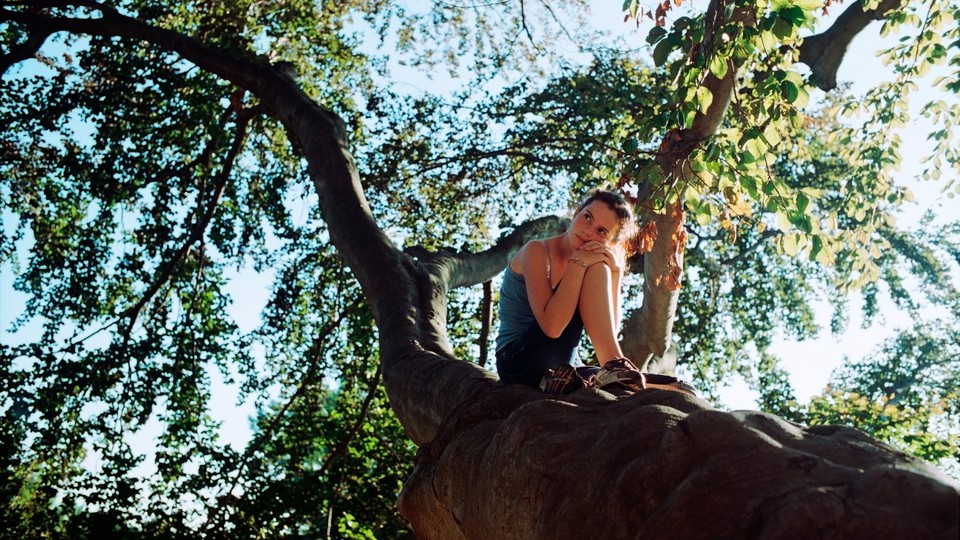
(515, 464)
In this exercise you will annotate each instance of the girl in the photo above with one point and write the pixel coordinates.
(556, 287)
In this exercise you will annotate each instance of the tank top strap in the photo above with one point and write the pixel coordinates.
(549, 276)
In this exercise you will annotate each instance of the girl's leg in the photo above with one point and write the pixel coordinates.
(596, 309)
(526, 360)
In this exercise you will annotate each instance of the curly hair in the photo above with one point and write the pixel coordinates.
(620, 206)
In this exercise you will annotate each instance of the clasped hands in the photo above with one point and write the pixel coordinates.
(593, 252)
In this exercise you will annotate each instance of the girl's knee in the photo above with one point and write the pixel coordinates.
(598, 272)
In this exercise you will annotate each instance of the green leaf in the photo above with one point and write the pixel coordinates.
(795, 15)
(768, 40)
(783, 220)
(816, 246)
(661, 52)
(790, 91)
(806, 5)
(749, 134)
(826, 255)
(749, 183)
(782, 28)
(656, 34)
(756, 148)
(802, 221)
(705, 98)
(789, 244)
(718, 66)
(713, 150)
(703, 219)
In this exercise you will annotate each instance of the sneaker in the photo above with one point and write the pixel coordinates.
(562, 380)
(620, 372)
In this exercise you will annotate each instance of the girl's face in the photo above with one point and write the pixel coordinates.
(594, 222)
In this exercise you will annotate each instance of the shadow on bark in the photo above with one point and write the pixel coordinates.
(661, 464)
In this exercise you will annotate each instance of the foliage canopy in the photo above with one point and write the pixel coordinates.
(140, 187)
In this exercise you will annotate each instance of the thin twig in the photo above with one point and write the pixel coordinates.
(345, 442)
(305, 381)
(769, 233)
(198, 229)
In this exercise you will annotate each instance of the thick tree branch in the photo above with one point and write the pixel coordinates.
(427, 386)
(440, 272)
(824, 52)
(26, 50)
(674, 469)
(648, 331)
(467, 269)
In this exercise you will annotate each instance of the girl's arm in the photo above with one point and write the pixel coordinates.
(552, 309)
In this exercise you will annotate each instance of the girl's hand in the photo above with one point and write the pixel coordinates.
(594, 252)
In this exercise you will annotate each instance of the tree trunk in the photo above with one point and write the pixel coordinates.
(509, 462)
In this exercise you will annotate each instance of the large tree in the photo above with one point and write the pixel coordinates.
(153, 147)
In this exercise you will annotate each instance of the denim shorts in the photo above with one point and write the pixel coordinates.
(525, 360)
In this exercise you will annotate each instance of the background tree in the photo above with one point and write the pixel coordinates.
(153, 148)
